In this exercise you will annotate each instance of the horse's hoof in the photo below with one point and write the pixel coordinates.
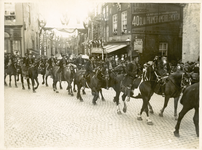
(103, 99)
(128, 99)
(47, 85)
(57, 91)
(151, 112)
(34, 91)
(139, 118)
(124, 110)
(94, 103)
(81, 100)
(176, 134)
(72, 94)
(42, 82)
(150, 122)
(176, 118)
(161, 115)
(119, 112)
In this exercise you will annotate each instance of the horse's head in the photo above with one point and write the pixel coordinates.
(149, 73)
(186, 80)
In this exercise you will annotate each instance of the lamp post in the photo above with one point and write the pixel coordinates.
(51, 38)
(42, 24)
(129, 48)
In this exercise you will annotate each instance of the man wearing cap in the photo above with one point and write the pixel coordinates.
(51, 62)
(62, 63)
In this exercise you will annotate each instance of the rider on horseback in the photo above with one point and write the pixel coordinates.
(132, 70)
(160, 67)
(51, 62)
(62, 64)
(88, 68)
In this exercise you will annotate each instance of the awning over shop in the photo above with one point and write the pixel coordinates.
(108, 48)
(97, 50)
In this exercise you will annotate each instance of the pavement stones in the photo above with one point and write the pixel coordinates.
(58, 120)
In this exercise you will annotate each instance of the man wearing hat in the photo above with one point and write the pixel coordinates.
(29, 60)
(132, 71)
(62, 63)
(51, 62)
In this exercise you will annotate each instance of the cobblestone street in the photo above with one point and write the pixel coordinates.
(48, 119)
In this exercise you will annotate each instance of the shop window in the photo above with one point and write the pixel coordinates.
(163, 49)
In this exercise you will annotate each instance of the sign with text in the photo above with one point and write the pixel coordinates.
(138, 45)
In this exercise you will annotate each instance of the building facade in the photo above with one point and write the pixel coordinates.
(20, 28)
(191, 32)
(149, 28)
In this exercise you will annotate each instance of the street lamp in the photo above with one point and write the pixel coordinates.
(129, 48)
(42, 24)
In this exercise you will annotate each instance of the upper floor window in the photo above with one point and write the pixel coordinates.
(115, 22)
(124, 22)
(9, 11)
(163, 49)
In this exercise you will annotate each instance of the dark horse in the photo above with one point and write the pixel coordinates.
(11, 70)
(172, 87)
(98, 81)
(30, 73)
(66, 75)
(42, 70)
(189, 100)
(80, 81)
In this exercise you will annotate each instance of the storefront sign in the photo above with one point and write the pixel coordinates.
(138, 45)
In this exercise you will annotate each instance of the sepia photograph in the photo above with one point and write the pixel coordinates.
(87, 74)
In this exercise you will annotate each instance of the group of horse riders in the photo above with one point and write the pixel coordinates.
(132, 69)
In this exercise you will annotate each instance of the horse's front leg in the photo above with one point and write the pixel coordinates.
(116, 100)
(5, 80)
(79, 94)
(95, 95)
(22, 81)
(37, 82)
(150, 108)
(125, 106)
(164, 106)
(60, 84)
(103, 99)
(181, 115)
(175, 106)
(46, 78)
(28, 83)
(15, 81)
(9, 80)
(43, 76)
(70, 89)
(32, 80)
(145, 108)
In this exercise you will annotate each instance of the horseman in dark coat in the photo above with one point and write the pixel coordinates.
(132, 71)
(79, 62)
(29, 61)
(62, 63)
(51, 62)
(88, 68)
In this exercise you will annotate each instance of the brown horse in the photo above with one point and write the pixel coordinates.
(172, 88)
(11, 70)
(189, 100)
(67, 75)
(30, 73)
